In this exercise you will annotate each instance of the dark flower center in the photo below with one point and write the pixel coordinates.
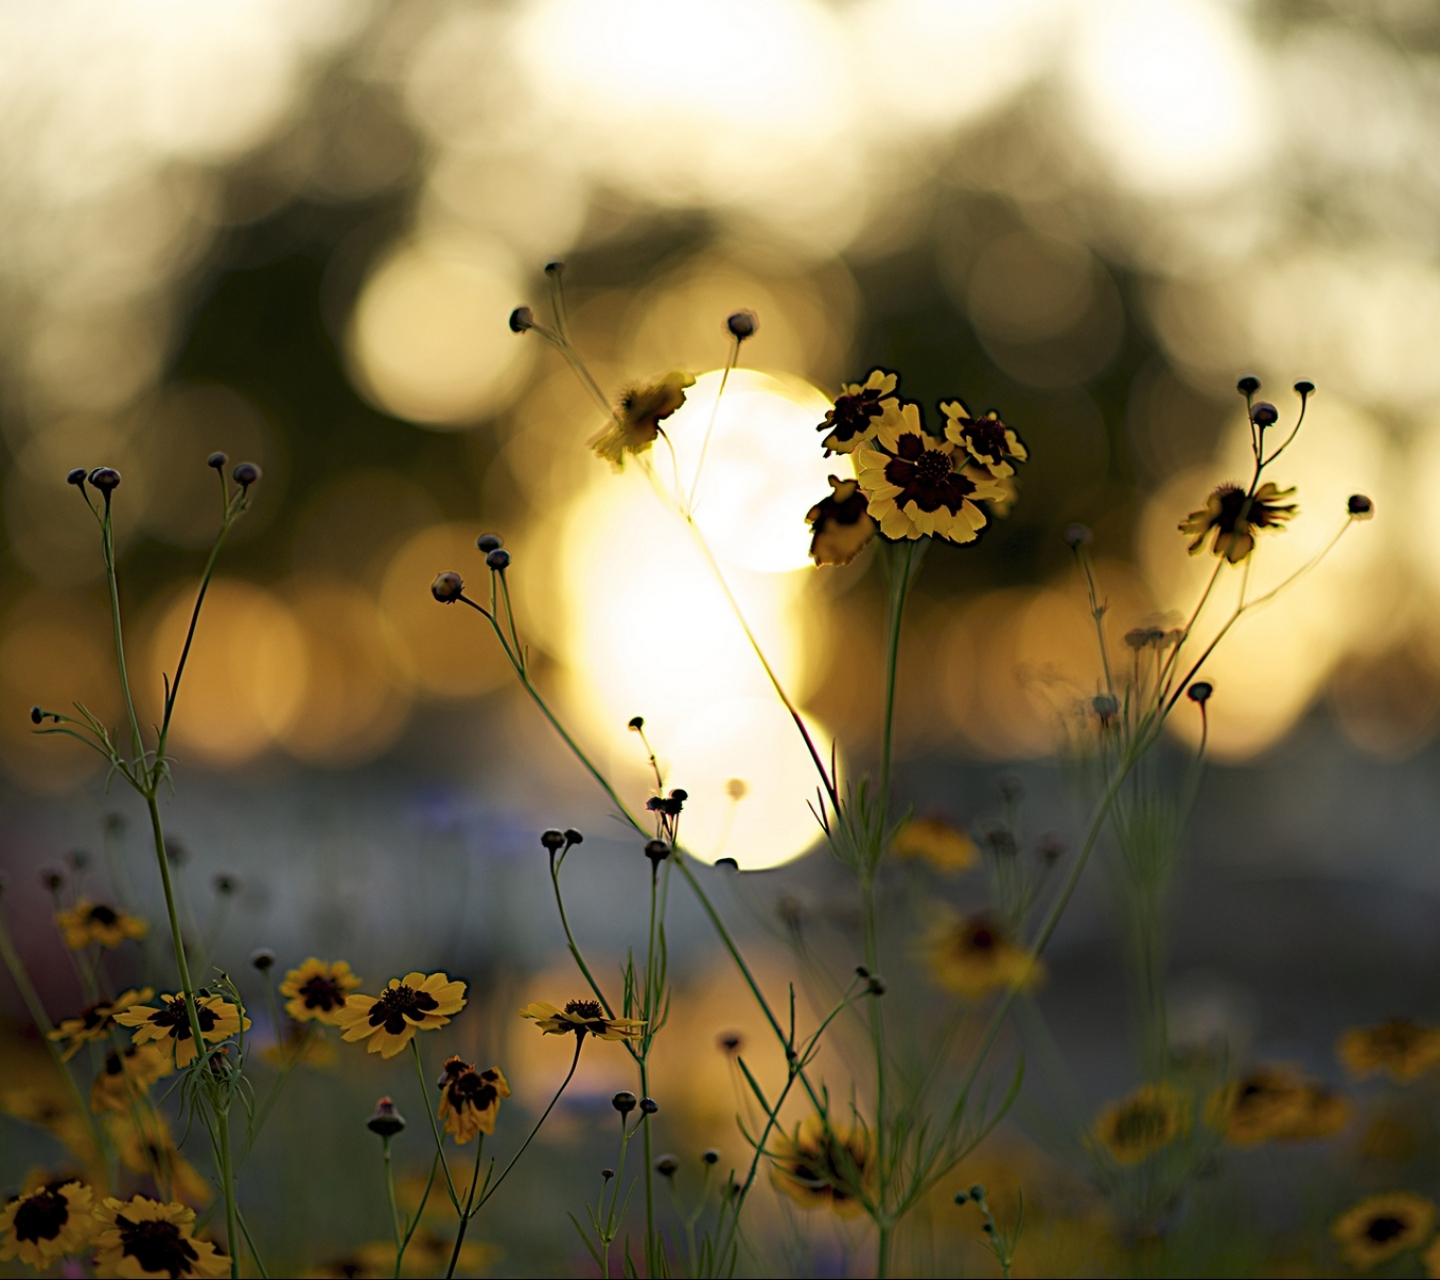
(981, 938)
(115, 1063)
(101, 914)
(1140, 1123)
(156, 1246)
(41, 1216)
(926, 477)
(398, 1003)
(322, 992)
(1398, 1037)
(852, 414)
(97, 1015)
(841, 510)
(987, 437)
(177, 1020)
(585, 1008)
(1384, 1228)
(472, 1090)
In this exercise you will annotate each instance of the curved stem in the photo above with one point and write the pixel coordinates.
(394, 1204)
(493, 1187)
(227, 1184)
(469, 1200)
(434, 1124)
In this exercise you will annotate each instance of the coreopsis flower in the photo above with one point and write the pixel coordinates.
(317, 990)
(920, 486)
(416, 1002)
(1400, 1047)
(94, 1022)
(637, 418)
(219, 1020)
(146, 1146)
(841, 524)
(1150, 1119)
(989, 441)
(427, 1254)
(470, 1099)
(301, 1043)
(1235, 519)
(142, 1237)
(88, 922)
(936, 842)
(127, 1075)
(582, 1018)
(51, 1107)
(1379, 1227)
(1277, 1104)
(859, 410)
(822, 1167)
(973, 955)
(47, 1222)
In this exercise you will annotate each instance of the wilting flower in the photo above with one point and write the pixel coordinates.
(1152, 1117)
(142, 1237)
(1276, 1104)
(582, 1018)
(318, 990)
(637, 418)
(859, 410)
(1379, 1227)
(50, 1220)
(88, 922)
(841, 524)
(972, 955)
(416, 1002)
(937, 843)
(920, 486)
(1235, 518)
(820, 1166)
(470, 1099)
(219, 1020)
(1403, 1048)
(146, 1146)
(127, 1076)
(94, 1022)
(988, 440)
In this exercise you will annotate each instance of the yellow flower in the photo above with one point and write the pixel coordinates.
(470, 1099)
(219, 1020)
(46, 1223)
(88, 922)
(1401, 1047)
(52, 1108)
(95, 1022)
(127, 1076)
(820, 1166)
(637, 419)
(318, 990)
(141, 1237)
(301, 1043)
(841, 525)
(1152, 1117)
(1235, 519)
(988, 440)
(859, 410)
(427, 1254)
(919, 486)
(416, 1002)
(937, 843)
(148, 1148)
(1379, 1227)
(1276, 1104)
(583, 1018)
(972, 955)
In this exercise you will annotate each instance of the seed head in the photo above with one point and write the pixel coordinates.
(105, 479)
(488, 542)
(217, 460)
(649, 1106)
(1264, 414)
(386, 1120)
(552, 839)
(667, 1165)
(245, 474)
(1200, 692)
(1078, 535)
(710, 1155)
(657, 851)
(742, 325)
(263, 959)
(498, 559)
(1248, 385)
(448, 587)
(521, 318)
(75, 477)
(624, 1102)
(1360, 507)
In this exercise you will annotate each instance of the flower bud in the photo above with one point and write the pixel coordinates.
(1360, 507)
(448, 587)
(76, 477)
(105, 479)
(729, 1041)
(961, 1198)
(728, 863)
(657, 851)
(649, 1106)
(1105, 704)
(977, 1192)
(245, 474)
(1078, 535)
(217, 460)
(498, 560)
(521, 318)
(1304, 388)
(488, 542)
(710, 1156)
(554, 268)
(552, 839)
(36, 715)
(262, 958)
(1264, 414)
(875, 985)
(1248, 385)
(637, 723)
(225, 884)
(624, 1102)
(742, 325)
(607, 1174)
(386, 1120)
(573, 837)
(1200, 692)
(53, 879)
(667, 1165)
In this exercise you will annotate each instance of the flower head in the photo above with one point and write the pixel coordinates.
(841, 524)
(988, 440)
(973, 955)
(127, 1075)
(142, 1237)
(470, 1099)
(1400, 1047)
(821, 1166)
(920, 486)
(937, 843)
(1151, 1118)
(582, 1018)
(47, 1222)
(859, 410)
(95, 1021)
(638, 416)
(219, 1020)
(317, 990)
(147, 1147)
(88, 922)
(1379, 1227)
(1235, 517)
(416, 1002)
(1276, 1104)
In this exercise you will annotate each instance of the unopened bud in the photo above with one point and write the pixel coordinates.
(217, 460)
(729, 1041)
(1248, 385)
(607, 1174)
(637, 723)
(573, 837)
(105, 479)
(1200, 692)
(554, 268)
(728, 863)
(1264, 414)
(977, 1192)
(263, 958)
(521, 318)
(742, 325)
(1304, 388)
(36, 715)
(77, 476)
(498, 559)
(667, 1165)
(649, 1106)
(624, 1102)
(245, 474)
(552, 839)
(386, 1120)
(52, 879)
(710, 1156)
(1077, 535)
(1360, 507)
(448, 587)
(225, 884)
(1105, 704)
(657, 851)
(875, 985)
(488, 542)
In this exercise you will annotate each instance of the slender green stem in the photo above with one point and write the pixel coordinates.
(177, 938)
(882, 1249)
(899, 591)
(469, 1201)
(434, 1124)
(570, 940)
(493, 1187)
(394, 1204)
(250, 1244)
(227, 1184)
(107, 544)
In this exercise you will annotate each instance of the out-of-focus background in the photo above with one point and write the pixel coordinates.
(295, 232)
